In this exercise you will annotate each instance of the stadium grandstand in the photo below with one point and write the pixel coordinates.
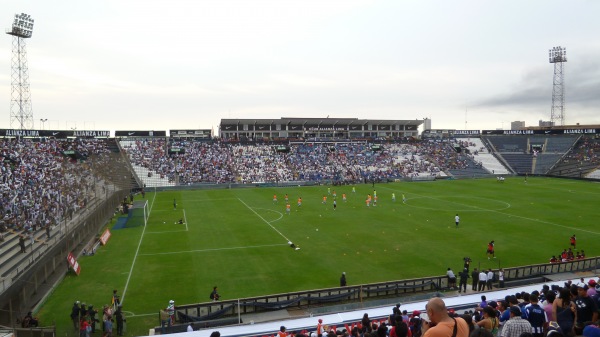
(60, 187)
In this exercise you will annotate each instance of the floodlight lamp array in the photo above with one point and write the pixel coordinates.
(557, 54)
(22, 25)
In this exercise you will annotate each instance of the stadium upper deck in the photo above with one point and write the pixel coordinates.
(341, 128)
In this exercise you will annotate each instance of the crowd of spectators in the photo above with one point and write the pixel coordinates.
(587, 150)
(40, 185)
(221, 162)
(567, 311)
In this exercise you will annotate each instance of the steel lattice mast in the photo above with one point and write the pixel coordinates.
(558, 56)
(21, 115)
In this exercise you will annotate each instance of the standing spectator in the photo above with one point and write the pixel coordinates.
(536, 316)
(108, 327)
(592, 288)
(171, 311)
(515, 326)
(84, 327)
(282, 332)
(501, 278)
(106, 312)
(475, 276)
(441, 324)
(120, 320)
(164, 321)
(490, 279)
(463, 277)
(400, 328)
(214, 295)
(564, 310)
(92, 313)
(75, 315)
(319, 328)
(482, 280)
(366, 323)
(343, 280)
(587, 310)
(22, 244)
(550, 297)
(451, 278)
(483, 303)
(415, 323)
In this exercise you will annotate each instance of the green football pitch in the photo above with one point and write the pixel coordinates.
(237, 239)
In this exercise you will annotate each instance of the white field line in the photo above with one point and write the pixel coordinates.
(211, 250)
(503, 213)
(263, 219)
(136, 253)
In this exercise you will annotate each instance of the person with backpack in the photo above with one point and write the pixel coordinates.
(214, 295)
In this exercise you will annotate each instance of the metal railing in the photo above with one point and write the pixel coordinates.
(312, 299)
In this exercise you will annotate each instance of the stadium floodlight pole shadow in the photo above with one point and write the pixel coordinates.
(20, 101)
(558, 56)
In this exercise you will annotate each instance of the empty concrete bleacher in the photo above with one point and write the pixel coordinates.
(520, 162)
(509, 143)
(560, 144)
(545, 161)
(483, 155)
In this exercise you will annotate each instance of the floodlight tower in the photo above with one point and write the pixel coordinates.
(558, 56)
(21, 115)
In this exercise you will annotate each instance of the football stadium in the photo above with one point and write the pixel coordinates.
(133, 221)
(270, 168)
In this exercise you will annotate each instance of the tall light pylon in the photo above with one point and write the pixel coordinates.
(21, 115)
(558, 56)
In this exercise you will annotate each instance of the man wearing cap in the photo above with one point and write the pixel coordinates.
(441, 324)
(320, 328)
(591, 288)
(587, 310)
(415, 323)
(515, 326)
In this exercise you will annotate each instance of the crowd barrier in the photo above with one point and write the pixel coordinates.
(367, 292)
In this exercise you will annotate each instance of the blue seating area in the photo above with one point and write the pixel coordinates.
(511, 143)
(560, 144)
(520, 162)
(545, 161)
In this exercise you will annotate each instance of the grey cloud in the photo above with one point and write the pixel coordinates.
(582, 88)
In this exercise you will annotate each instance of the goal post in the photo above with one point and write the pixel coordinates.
(138, 214)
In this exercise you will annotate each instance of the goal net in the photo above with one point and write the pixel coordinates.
(138, 214)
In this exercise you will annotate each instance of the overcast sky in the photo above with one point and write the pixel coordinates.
(185, 64)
